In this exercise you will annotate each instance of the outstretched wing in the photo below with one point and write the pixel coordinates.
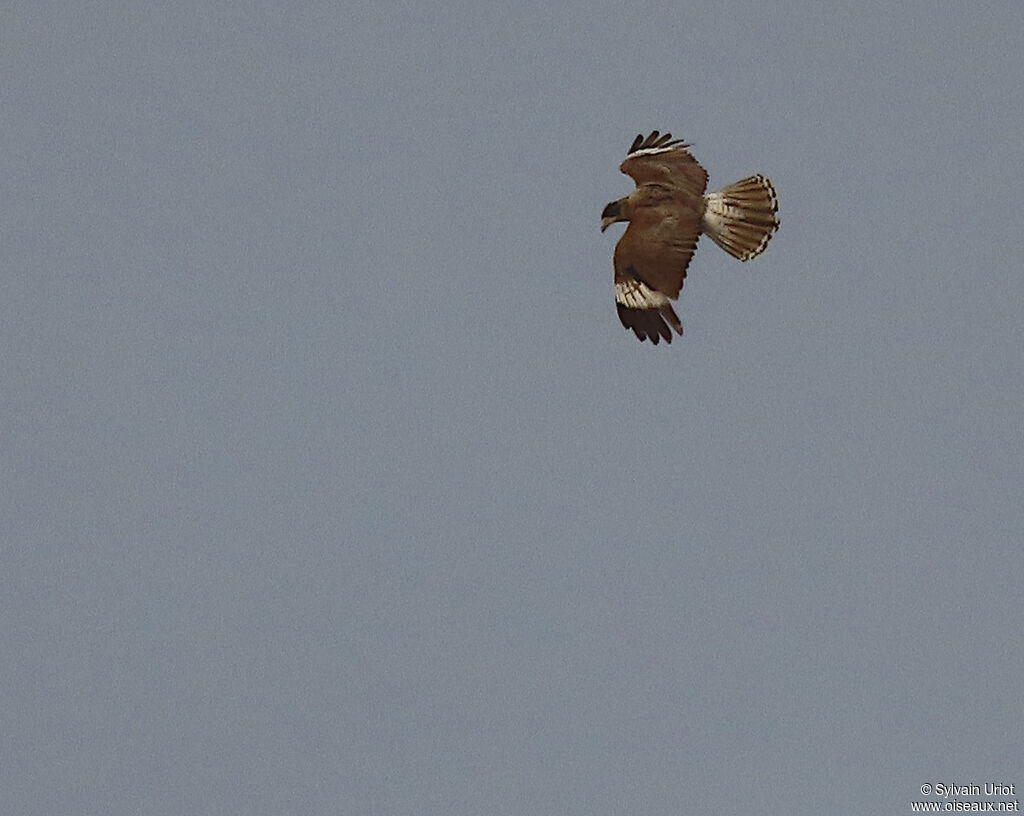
(650, 266)
(660, 159)
(652, 256)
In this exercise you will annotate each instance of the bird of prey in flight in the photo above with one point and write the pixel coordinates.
(667, 212)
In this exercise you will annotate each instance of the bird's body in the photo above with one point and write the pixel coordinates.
(667, 212)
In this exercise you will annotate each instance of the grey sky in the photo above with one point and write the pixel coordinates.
(333, 485)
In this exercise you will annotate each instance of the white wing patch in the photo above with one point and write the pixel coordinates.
(650, 151)
(634, 294)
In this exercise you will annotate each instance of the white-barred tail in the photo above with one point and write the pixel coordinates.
(741, 218)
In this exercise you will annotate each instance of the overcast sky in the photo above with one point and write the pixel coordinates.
(332, 483)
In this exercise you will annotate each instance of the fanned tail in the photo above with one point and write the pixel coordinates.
(741, 218)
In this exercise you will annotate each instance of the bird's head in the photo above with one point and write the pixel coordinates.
(615, 211)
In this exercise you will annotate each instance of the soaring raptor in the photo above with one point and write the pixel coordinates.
(667, 212)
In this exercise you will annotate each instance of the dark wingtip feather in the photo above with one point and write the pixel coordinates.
(650, 324)
(656, 139)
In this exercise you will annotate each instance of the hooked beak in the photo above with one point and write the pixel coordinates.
(606, 222)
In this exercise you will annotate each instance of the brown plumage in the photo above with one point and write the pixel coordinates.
(667, 212)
